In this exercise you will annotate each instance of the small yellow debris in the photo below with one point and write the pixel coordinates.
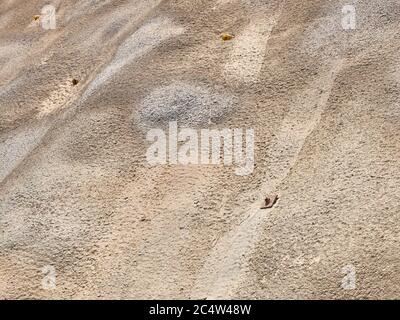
(36, 18)
(226, 36)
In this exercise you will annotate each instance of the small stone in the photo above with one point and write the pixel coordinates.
(270, 201)
(226, 36)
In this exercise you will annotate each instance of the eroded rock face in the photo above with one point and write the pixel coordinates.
(84, 215)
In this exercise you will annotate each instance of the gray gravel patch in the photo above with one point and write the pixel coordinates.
(190, 105)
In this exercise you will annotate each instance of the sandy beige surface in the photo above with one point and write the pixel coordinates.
(76, 191)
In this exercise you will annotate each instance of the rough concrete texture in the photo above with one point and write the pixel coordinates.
(77, 194)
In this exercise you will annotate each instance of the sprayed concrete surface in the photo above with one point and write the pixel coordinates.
(77, 194)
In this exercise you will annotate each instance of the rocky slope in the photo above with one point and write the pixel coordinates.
(77, 194)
